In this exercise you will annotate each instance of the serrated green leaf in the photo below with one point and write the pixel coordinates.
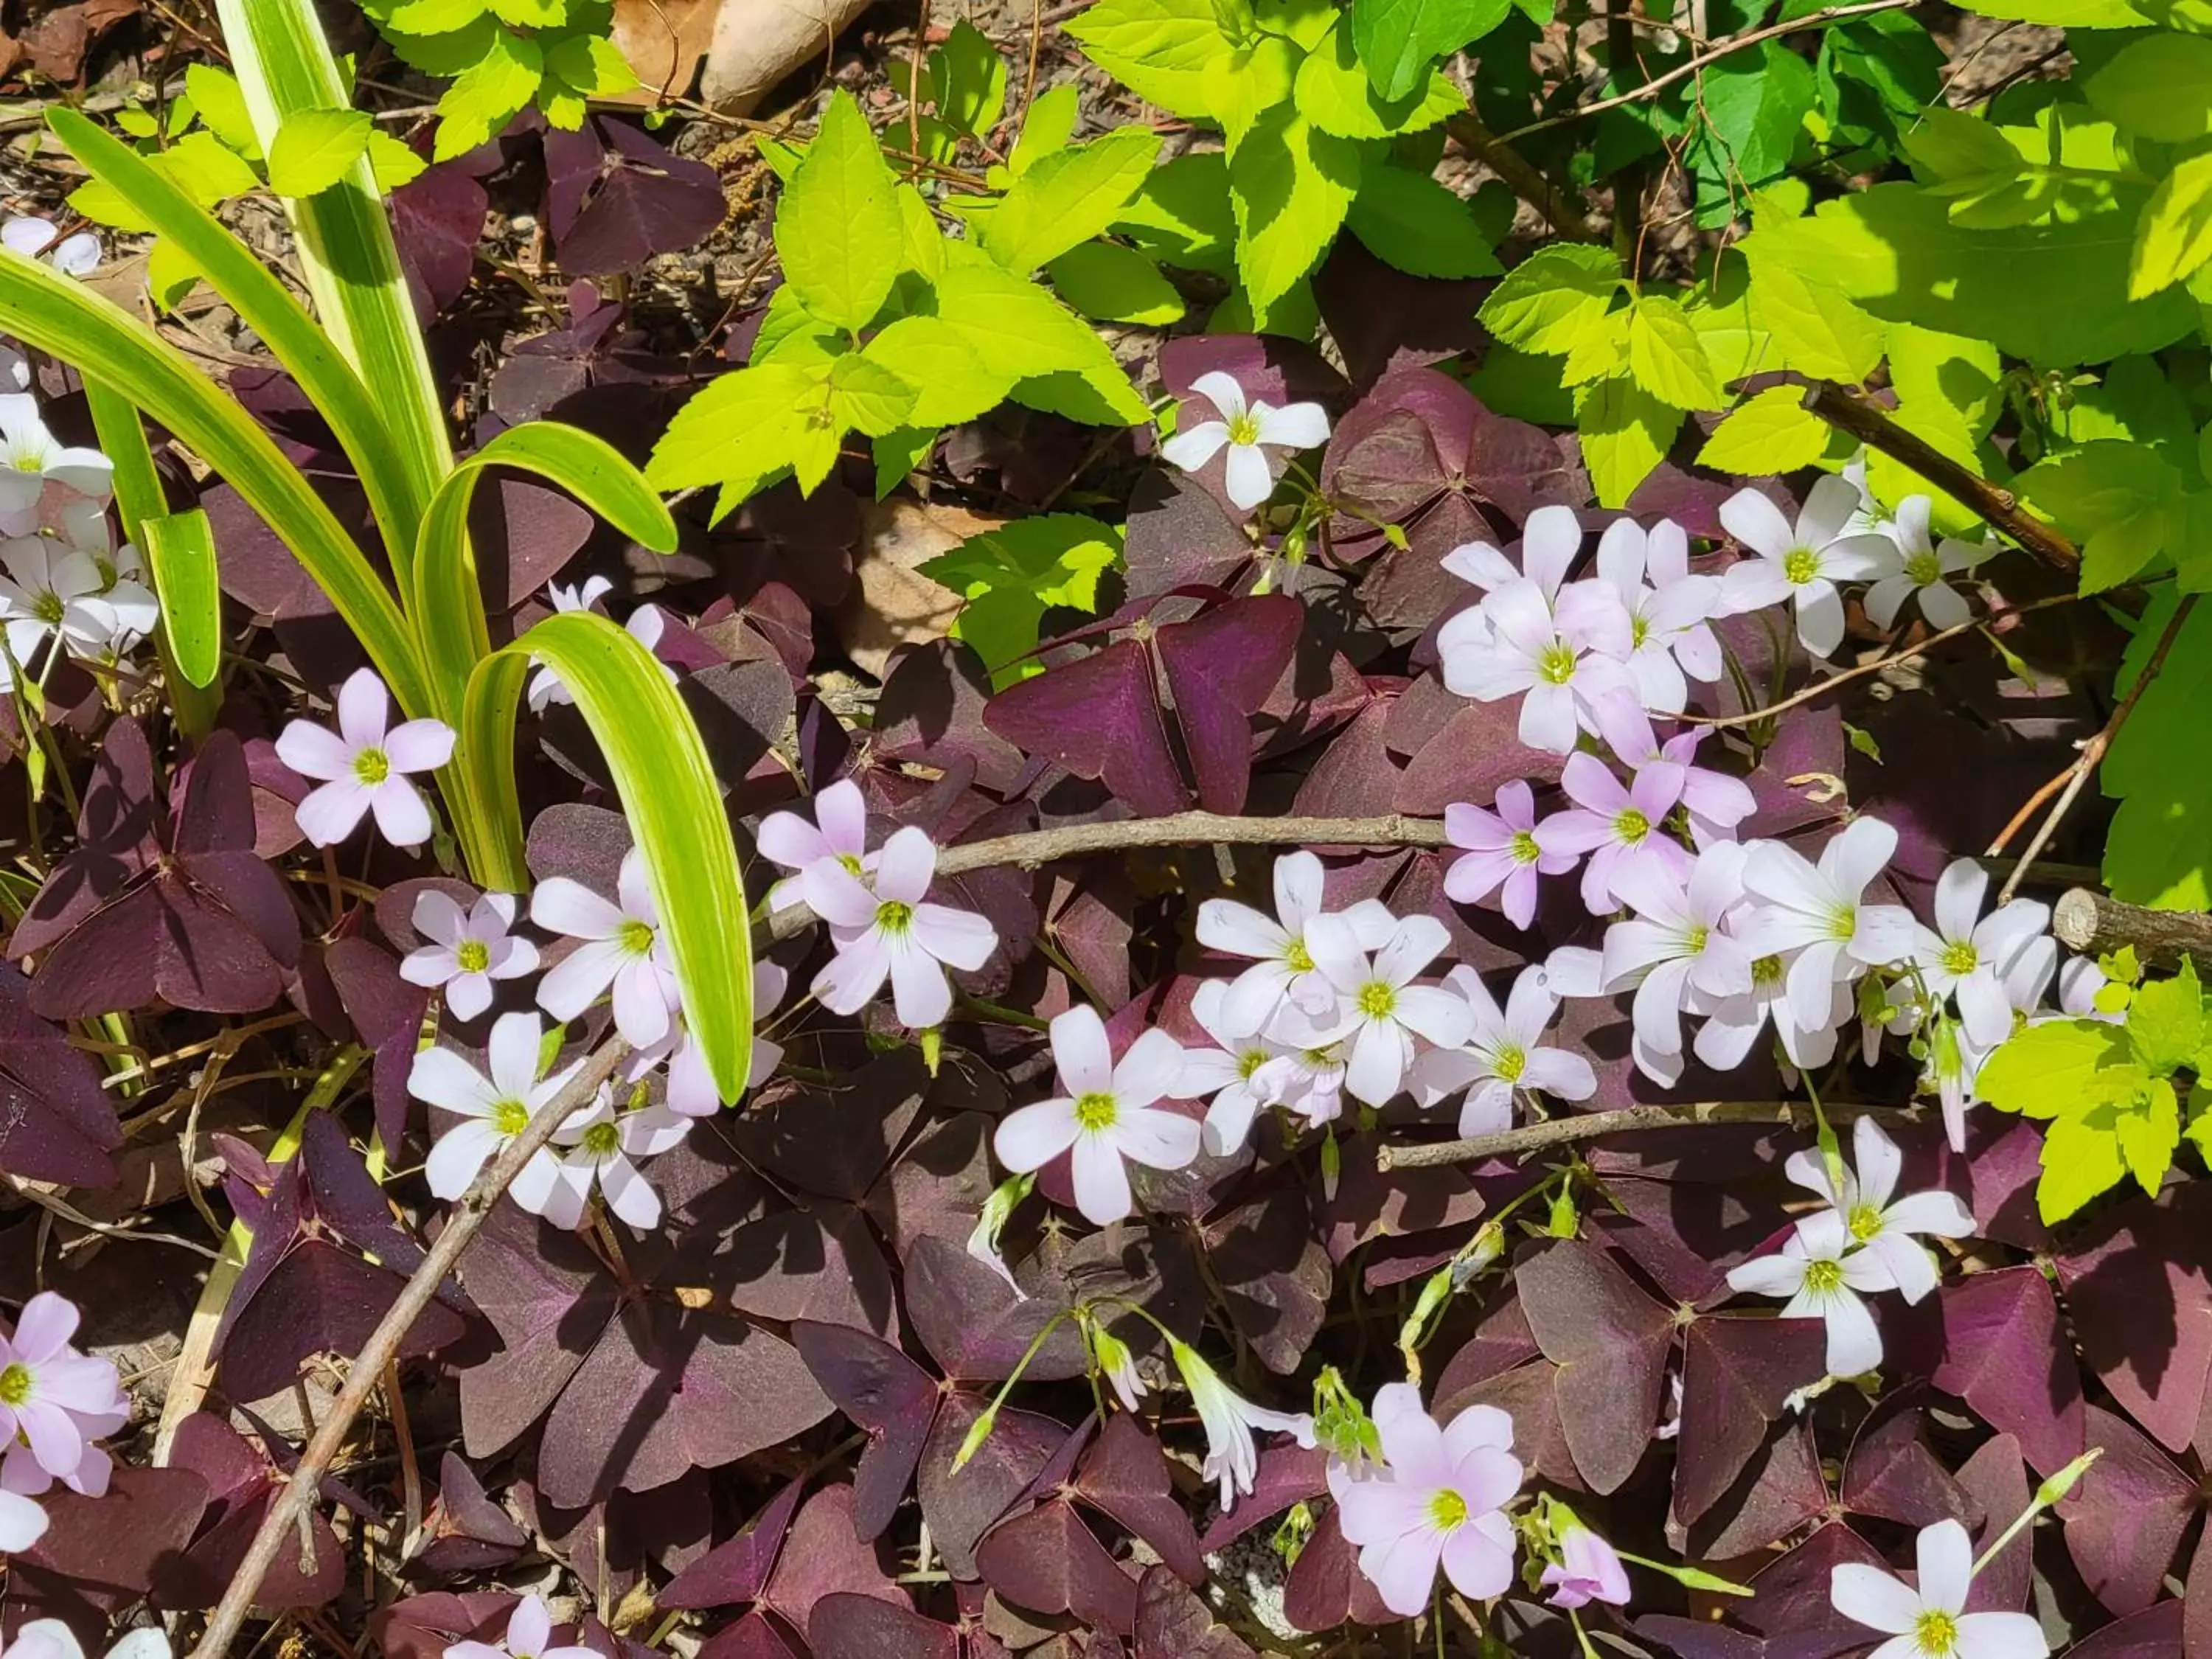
(1334, 94)
(669, 795)
(1250, 82)
(1046, 127)
(2159, 851)
(899, 454)
(1552, 297)
(2045, 1070)
(1625, 432)
(968, 81)
(2165, 1021)
(1754, 104)
(592, 65)
(2174, 235)
(316, 147)
(2081, 1161)
(1067, 198)
(737, 431)
(866, 394)
(838, 230)
(1813, 327)
(1182, 215)
(1665, 357)
(2160, 86)
(1010, 575)
(2066, 14)
(1399, 41)
(2124, 502)
(951, 382)
(1291, 185)
(392, 163)
(1112, 283)
(487, 93)
(207, 170)
(1159, 49)
(1410, 222)
(216, 96)
(1014, 325)
(1771, 433)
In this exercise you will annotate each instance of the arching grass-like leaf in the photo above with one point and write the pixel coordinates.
(180, 552)
(444, 601)
(364, 429)
(668, 792)
(55, 314)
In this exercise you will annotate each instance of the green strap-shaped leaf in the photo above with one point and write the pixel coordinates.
(346, 249)
(140, 499)
(445, 602)
(59, 315)
(363, 429)
(669, 795)
(180, 552)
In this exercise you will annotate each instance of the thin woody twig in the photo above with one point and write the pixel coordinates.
(2092, 752)
(1595, 1126)
(1521, 176)
(1175, 829)
(1728, 48)
(279, 1525)
(1854, 413)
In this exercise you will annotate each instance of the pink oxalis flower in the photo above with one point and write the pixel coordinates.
(1438, 1501)
(365, 766)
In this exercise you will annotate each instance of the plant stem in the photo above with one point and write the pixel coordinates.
(1595, 1126)
(281, 1524)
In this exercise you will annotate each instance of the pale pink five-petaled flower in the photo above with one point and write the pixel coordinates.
(892, 933)
(364, 766)
(1931, 1621)
(1438, 1501)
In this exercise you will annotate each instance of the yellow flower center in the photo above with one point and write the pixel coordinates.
(1095, 1111)
(16, 1384)
(1447, 1510)
(1865, 1222)
(510, 1117)
(1377, 998)
(1630, 827)
(1937, 1633)
(852, 864)
(1960, 957)
(1556, 665)
(1824, 1277)
(1842, 922)
(48, 607)
(602, 1140)
(472, 956)
(1801, 565)
(636, 936)
(1509, 1061)
(1766, 972)
(1243, 429)
(1922, 568)
(1696, 937)
(1523, 847)
(1250, 1061)
(894, 918)
(1296, 958)
(372, 767)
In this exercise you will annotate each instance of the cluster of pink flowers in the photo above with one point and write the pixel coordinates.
(56, 1403)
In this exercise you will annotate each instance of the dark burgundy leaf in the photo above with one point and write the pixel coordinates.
(1994, 1481)
(887, 1395)
(1791, 1605)
(1098, 716)
(319, 1299)
(2153, 1633)
(470, 1531)
(2125, 1518)
(1220, 667)
(437, 219)
(1172, 1623)
(755, 1636)
(1124, 1475)
(1288, 1474)
(823, 1556)
(241, 1485)
(117, 825)
(1610, 1341)
(1325, 1586)
(848, 1627)
(1736, 1374)
(973, 1324)
(651, 201)
(961, 1507)
(2139, 1287)
(1780, 1490)
(1891, 1473)
(2005, 1355)
(1274, 1276)
(835, 1139)
(56, 1123)
(1049, 1561)
(99, 1554)
(735, 1572)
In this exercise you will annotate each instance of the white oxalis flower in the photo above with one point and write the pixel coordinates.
(1229, 1420)
(1929, 1620)
(1380, 1010)
(604, 1144)
(1245, 428)
(1823, 1278)
(1282, 968)
(1801, 562)
(468, 949)
(1504, 1051)
(1969, 956)
(892, 933)
(1108, 1115)
(496, 1104)
(1882, 1227)
(364, 766)
(1816, 913)
(620, 951)
(1918, 564)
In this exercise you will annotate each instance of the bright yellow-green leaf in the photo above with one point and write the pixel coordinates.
(838, 229)
(2174, 235)
(743, 426)
(866, 394)
(216, 95)
(1334, 94)
(1409, 221)
(951, 381)
(490, 91)
(1290, 184)
(180, 554)
(206, 169)
(1115, 284)
(1068, 198)
(2081, 1161)
(315, 149)
(1814, 328)
(1625, 433)
(1772, 431)
(2160, 86)
(1551, 298)
(1159, 49)
(392, 162)
(1047, 126)
(1666, 358)
(1015, 326)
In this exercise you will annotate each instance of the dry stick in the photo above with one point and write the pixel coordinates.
(279, 1527)
(1854, 413)
(1521, 176)
(1904, 654)
(2092, 924)
(1572, 1130)
(1728, 48)
(1176, 830)
(2092, 752)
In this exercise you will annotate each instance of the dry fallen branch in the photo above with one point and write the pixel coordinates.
(1595, 1126)
(2093, 924)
